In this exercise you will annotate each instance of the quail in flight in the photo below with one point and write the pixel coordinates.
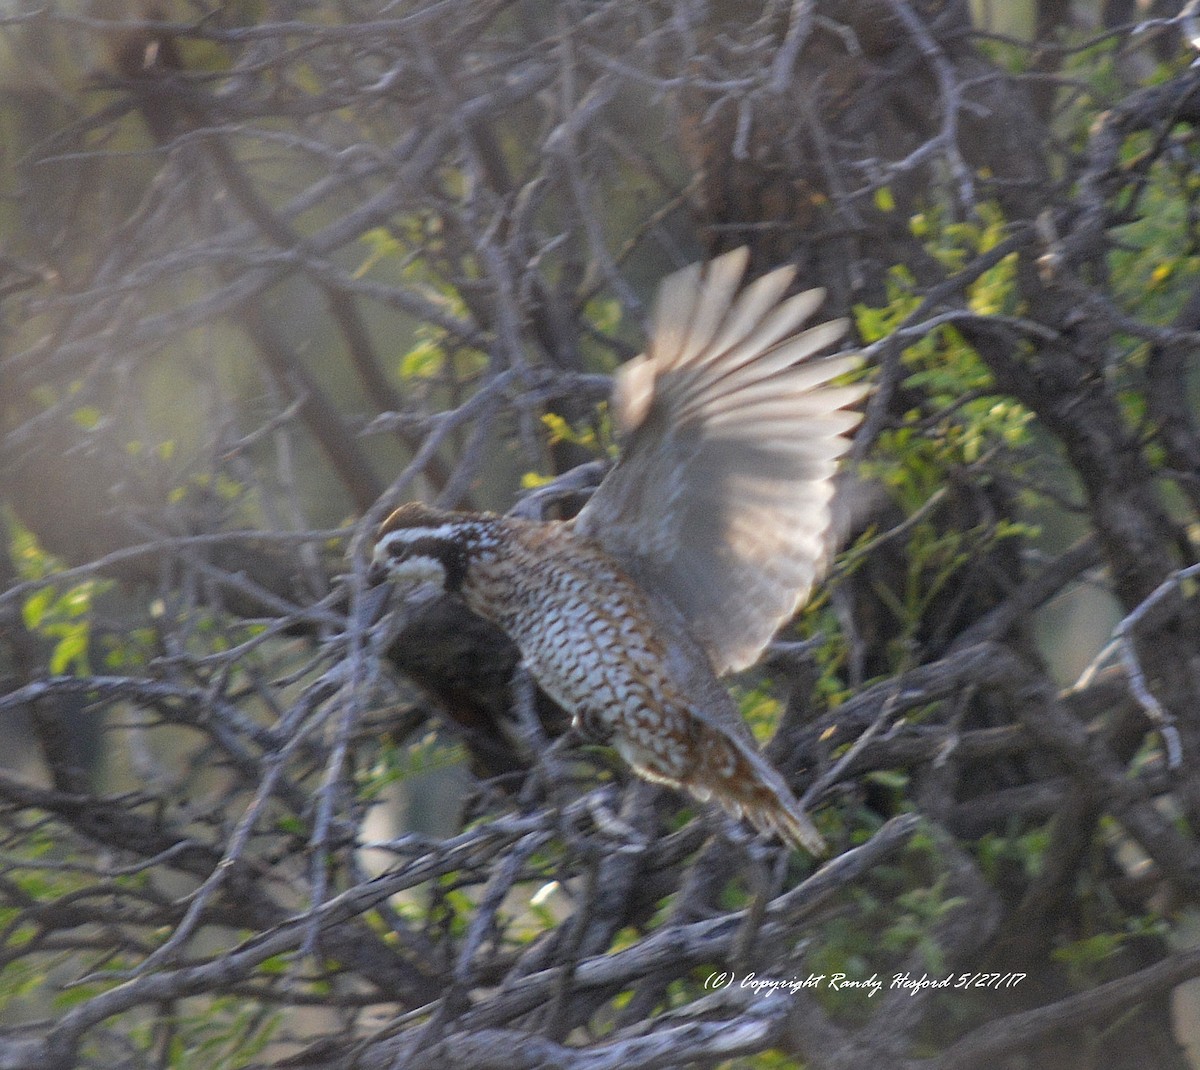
(706, 535)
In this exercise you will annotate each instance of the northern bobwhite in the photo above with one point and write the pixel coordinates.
(706, 535)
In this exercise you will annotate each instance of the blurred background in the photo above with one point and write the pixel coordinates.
(270, 268)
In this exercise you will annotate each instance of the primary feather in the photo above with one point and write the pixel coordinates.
(720, 501)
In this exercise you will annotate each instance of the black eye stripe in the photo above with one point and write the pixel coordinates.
(421, 547)
(450, 554)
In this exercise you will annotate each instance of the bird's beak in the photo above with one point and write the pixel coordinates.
(376, 573)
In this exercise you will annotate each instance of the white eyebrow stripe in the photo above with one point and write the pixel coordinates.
(420, 561)
(446, 532)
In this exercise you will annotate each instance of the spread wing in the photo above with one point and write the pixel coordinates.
(720, 500)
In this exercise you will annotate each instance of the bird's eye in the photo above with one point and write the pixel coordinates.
(390, 549)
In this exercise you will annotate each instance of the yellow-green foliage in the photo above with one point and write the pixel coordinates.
(957, 424)
(396, 764)
(61, 615)
(1156, 264)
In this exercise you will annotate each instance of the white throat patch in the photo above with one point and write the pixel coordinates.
(414, 571)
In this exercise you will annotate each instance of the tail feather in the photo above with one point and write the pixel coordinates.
(746, 785)
(730, 771)
(785, 819)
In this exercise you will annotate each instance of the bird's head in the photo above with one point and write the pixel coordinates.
(418, 544)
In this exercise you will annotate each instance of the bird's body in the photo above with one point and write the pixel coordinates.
(703, 538)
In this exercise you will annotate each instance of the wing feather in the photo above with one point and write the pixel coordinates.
(754, 302)
(772, 371)
(720, 286)
(720, 502)
(759, 356)
(673, 312)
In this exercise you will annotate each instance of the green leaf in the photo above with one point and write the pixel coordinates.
(561, 431)
(72, 648)
(533, 480)
(423, 361)
(33, 612)
(381, 245)
(87, 416)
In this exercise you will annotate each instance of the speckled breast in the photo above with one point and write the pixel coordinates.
(581, 626)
